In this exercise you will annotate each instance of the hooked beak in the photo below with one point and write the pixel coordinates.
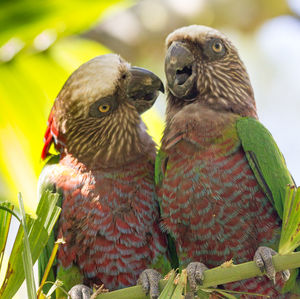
(143, 88)
(180, 70)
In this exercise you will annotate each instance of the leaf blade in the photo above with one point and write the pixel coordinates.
(38, 234)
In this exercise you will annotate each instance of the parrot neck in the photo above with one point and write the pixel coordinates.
(200, 126)
(120, 147)
(106, 142)
(240, 102)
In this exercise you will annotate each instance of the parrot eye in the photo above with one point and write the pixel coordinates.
(217, 46)
(214, 49)
(104, 108)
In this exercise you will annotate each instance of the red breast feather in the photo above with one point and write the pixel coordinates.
(110, 223)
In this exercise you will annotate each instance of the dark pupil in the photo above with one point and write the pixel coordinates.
(217, 46)
(104, 107)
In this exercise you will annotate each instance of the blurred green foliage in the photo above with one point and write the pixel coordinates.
(39, 48)
(26, 19)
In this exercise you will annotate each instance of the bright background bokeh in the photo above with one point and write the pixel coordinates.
(42, 42)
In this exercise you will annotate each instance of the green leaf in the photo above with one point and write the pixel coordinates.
(5, 219)
(29, 277)
(226, 295)
(10, 211)
(26, 254)
(180, 289)
(169, 288)
(290, 233)
(56, 285)
(203, 293)
(38, 234)
(27, 19)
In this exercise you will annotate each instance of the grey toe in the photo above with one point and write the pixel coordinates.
(263, 259)
(149, 279)
(195, 274)
(80, 291)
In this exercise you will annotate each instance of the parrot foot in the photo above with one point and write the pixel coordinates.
(80, 291)
(149, 280)
(263, 260)
(195, 273)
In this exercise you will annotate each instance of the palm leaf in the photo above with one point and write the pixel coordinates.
(5, 219)
(39, 230)
(290, 233)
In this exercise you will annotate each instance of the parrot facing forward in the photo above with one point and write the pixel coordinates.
(221, 177)
(105, 175)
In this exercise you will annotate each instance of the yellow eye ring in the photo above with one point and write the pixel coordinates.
(104, 108)
(217, 46)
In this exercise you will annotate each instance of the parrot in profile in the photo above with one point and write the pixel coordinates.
(105, 177)
(221, 179)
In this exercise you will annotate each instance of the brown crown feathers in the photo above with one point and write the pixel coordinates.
(97, 112)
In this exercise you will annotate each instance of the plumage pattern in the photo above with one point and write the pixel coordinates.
(219, 200)
(109, 221)
(210, 199)
(105, 174)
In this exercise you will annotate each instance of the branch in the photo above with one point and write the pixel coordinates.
(216, 276)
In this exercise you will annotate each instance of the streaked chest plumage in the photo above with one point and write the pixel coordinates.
(214, 206)
(211, 201)
(109, 221)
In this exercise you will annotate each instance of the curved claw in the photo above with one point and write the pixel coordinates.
(263, 260)
(80, 291)
(149, 280)
(285, 275)
(195, 274)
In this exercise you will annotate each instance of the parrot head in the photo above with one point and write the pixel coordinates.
(96, 115)
(203, 65)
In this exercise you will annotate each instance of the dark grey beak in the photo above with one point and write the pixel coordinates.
(143, 88)
(180, 70)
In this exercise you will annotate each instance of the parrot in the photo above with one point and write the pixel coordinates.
(220, 177)
(104, 175)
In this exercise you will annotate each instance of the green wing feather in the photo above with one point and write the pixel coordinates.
(161, 162)
(160, 166)
(270, 170)
(265, 160)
